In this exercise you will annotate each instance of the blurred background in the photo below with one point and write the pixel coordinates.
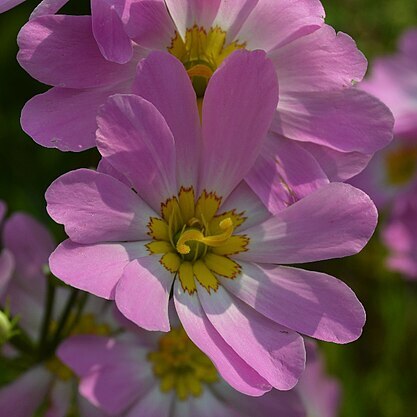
(378, 373)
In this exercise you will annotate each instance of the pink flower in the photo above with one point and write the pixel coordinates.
(394, 81)
(169, 211)
(320, 117)
(28, 245)
(319, 392)
(391, 177)
(160, 374)
(399, 234)
(45, 6)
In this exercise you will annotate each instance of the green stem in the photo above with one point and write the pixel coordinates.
(64, 319)
(46, 323)
(81, 305)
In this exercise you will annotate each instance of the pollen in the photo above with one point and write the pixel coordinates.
(202, 52)
(195, 241)
(181, 366)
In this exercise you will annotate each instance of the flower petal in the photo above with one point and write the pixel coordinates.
(345, 120)
(105, 167)
(102, 363)
(244, 200)
(274, 23)
(320, 393)
(273, 403)
(272, 350)
(187, 13)
(7, 265)
(59, 399)
(284, 173)
(235, 124)
(108, 29)
(65, 118)
(338, 166)
(311, 303)
(150, 25)
(32, 386)
(95, 268)
(154, 404)
(231, 366)
(232, 15)
(142, 294)
(335, 221)
(6, 5)
(60, 50)
(135, 138)
(163, 81)
(205, 405)
(30, 243)
(96, 207)
(46, 7)
(322, 60)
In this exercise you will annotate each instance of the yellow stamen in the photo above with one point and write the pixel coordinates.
(198, 236)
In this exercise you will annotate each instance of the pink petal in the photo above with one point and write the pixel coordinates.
(232, 367)
(334, 221)
(134, 137)
(274, 23)
(320, 61)
(274, 403)
(96, 207)
(112, 374)
(60, 399)
(320, 393)
(338, 166)
(22, 397)
(244, 200)
(284, 173)
(94, 268)
(60, 50)
(207, 404)
(187, 13)
(65, 118)
(163, 81)
(30, 243)
(88, 410)
(142, 294)
(154, 404)
(272, 350)
(311, 303)
(408, 43)
(345, 120)
(7, 265)
(3, 210)
(232, 15)
(105, 167)
(235, 124)
(150, 25)
(6, 5)
(46, 7)
(109, 32)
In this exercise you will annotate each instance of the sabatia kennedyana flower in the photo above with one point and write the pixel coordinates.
(45, 383)
(162, 374)
(393, 80)
(169, 213)
(391, 177)
(88, 58)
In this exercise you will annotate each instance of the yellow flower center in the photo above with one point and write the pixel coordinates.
(86, 325)
(195, 241)
(401, 165)
(202, 53)
(181, 366)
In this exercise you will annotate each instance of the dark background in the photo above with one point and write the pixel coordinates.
(379, 371)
